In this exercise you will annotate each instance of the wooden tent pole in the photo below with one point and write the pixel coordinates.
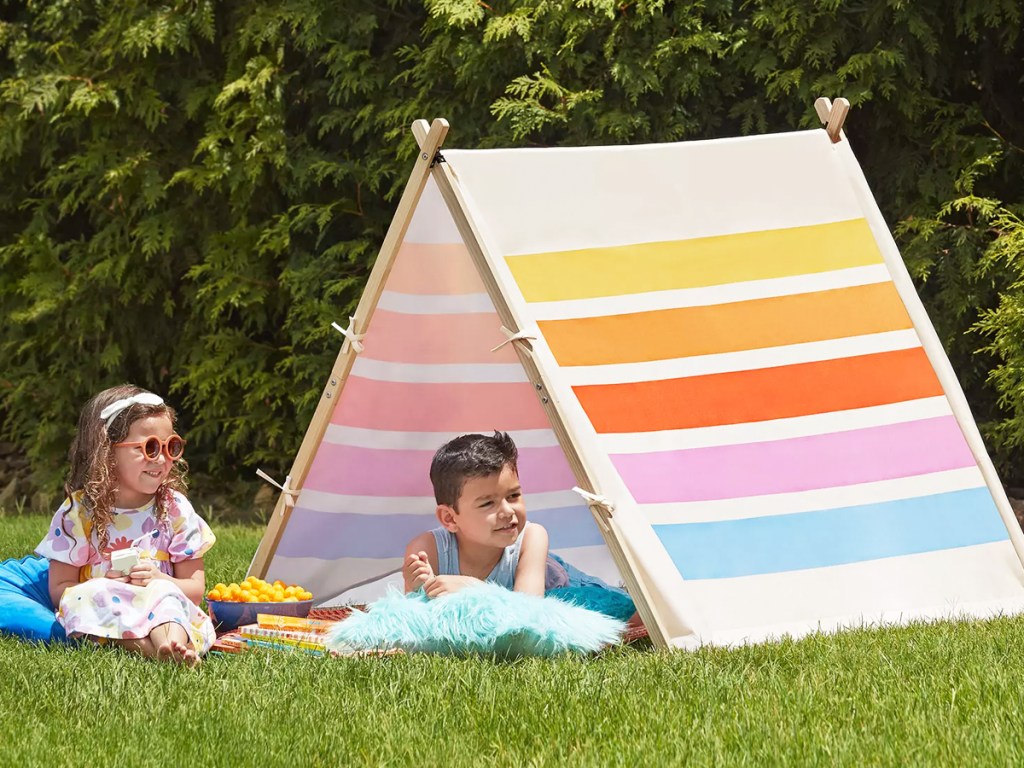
(433, 139)
(832, 116)
(624, 560)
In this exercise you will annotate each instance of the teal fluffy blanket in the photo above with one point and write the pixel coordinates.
(484, 619)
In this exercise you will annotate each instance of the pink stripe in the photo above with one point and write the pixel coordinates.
(439, 407)
(464, 338)
(798, 464)
(437, 269)
(370, 472)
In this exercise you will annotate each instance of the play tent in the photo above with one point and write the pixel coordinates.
(715, 343)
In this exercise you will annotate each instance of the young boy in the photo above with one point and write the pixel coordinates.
(484, 535)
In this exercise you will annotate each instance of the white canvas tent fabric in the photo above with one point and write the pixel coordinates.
(735, 353)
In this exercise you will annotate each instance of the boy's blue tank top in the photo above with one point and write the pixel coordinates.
(503, 574)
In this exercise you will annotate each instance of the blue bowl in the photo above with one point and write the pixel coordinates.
(229, 615)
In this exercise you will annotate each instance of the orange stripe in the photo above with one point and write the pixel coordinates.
(761, 394)
(434, 269)
(756, 324)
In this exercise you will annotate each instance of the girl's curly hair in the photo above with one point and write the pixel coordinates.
(93, 466)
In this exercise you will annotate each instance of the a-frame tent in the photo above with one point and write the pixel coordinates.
(716, 341)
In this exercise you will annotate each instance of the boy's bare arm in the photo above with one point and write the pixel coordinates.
(533, 558)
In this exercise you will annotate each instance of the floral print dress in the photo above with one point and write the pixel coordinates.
(105, 608)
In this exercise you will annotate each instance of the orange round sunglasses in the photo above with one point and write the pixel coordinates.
(173, 447)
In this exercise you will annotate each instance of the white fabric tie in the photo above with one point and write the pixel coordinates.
(286, 489)
(143, 398)
(356, 339)
(596, 500)
(513, 336)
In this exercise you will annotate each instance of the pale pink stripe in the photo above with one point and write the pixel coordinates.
(463, 338)
(436, 269)
(798, 464)
(439, 407)
(353, 471)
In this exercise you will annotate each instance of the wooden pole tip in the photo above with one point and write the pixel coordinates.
(823, 106)
(840, 109)
(419, 130)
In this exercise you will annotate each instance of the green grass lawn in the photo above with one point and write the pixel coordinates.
(944, 694)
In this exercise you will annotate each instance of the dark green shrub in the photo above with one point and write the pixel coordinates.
(193, 192)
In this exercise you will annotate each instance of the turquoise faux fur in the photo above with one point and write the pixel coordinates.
(482, 619)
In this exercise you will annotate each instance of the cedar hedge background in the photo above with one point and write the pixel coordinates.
(192, 190)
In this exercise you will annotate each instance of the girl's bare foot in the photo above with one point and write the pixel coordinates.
(183, 654)
(159, 637)
(142, 646)
(173, 644)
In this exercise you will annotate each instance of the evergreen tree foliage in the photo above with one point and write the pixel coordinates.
(193, 191)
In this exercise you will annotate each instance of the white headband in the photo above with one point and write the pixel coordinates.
(143, 398)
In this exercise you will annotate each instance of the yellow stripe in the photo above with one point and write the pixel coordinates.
(696, 263)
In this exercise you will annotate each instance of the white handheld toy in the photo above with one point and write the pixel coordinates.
(123, 559)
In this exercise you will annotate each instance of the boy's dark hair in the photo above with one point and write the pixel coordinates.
(470, 456)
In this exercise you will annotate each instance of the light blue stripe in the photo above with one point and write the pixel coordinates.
(818, 539)
(332, 535)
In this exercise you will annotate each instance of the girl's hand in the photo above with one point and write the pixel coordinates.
(447, 585)
(144, 572)
(116, 576)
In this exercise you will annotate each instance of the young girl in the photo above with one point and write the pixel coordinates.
(125, 490)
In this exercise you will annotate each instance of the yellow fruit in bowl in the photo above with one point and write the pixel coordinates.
(256, 590)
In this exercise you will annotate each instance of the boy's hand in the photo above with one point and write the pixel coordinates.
(447, 585)
(116, 576)
(417, 570)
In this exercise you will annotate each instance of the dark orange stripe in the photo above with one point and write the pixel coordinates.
(762, 394)
(733, 327)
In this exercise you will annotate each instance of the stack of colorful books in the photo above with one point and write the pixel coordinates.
(284, 633)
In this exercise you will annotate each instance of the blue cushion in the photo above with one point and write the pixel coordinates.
(482, 619)
(25, 607)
